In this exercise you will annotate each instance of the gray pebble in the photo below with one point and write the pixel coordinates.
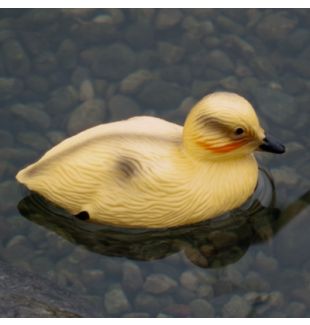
(132, 278)
(79, 74)
(230, 83)
(9, 88)
(168, 18)
(254, 281)
(114, 62)
(229, 25)
(116, 14)
(103, 19)
(62, 100)
(55, 136)
(122, 107)
(161, 95)
(233, 41)
(146, 302)
(159, 283)
(6, 139)
(67, 54)
(34, 140)
(116, 302)
(236, 307)
(140, 35)
(296, 309)
(134, 81)
(179, 74)
(276, 105)
(39, 85)
(45, 62)
(189, 280)
(266, 263)
(234, 276)
(19, 155)
(16, 59)
(93, 278)
(201, 308)
(87, 91)
(219, 60)
(88, 114)
(19, 247)
(275, 26)
(170, 53)
(200, 88)
(101, 87)
(205, 291)
(33, 115)
(276, 299)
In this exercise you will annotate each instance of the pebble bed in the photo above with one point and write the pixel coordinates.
(62, 71)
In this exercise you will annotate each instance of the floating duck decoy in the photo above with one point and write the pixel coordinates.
(147, 172)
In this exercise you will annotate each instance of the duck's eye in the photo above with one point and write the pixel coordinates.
(239, 131)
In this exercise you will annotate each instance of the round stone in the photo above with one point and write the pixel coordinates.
(159, 283)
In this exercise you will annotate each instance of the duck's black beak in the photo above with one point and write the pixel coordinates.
(270, 144)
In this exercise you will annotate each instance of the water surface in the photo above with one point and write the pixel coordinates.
(62, 71)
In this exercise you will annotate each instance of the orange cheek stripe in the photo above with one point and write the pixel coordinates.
(222, 149)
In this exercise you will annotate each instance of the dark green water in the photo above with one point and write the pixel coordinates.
(62, 71)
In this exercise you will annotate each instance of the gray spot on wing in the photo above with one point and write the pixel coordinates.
(128, 167)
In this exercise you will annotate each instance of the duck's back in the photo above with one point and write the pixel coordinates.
(140, 126)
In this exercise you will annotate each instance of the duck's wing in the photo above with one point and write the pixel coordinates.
(94, 138)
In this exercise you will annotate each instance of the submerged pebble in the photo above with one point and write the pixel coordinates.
(88, 114)
(9, 88)
(15, 57)
(201, 308)
(114, 62)
(236, 307)
(146, 302)
(134, 81)
(161, 95)
(33, 114)
(87, 91)
(6, 139)
(189, 280)
(132, 276)
(159, 283)
(34, 140)
(168, 18)
(122, 107)
(116, 302)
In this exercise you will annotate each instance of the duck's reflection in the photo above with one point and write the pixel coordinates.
(218, 242)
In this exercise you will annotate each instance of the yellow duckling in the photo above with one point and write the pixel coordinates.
(147, 172)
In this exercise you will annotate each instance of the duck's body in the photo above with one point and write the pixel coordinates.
(143, 173)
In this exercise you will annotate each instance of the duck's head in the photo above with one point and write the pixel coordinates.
(224, 125)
